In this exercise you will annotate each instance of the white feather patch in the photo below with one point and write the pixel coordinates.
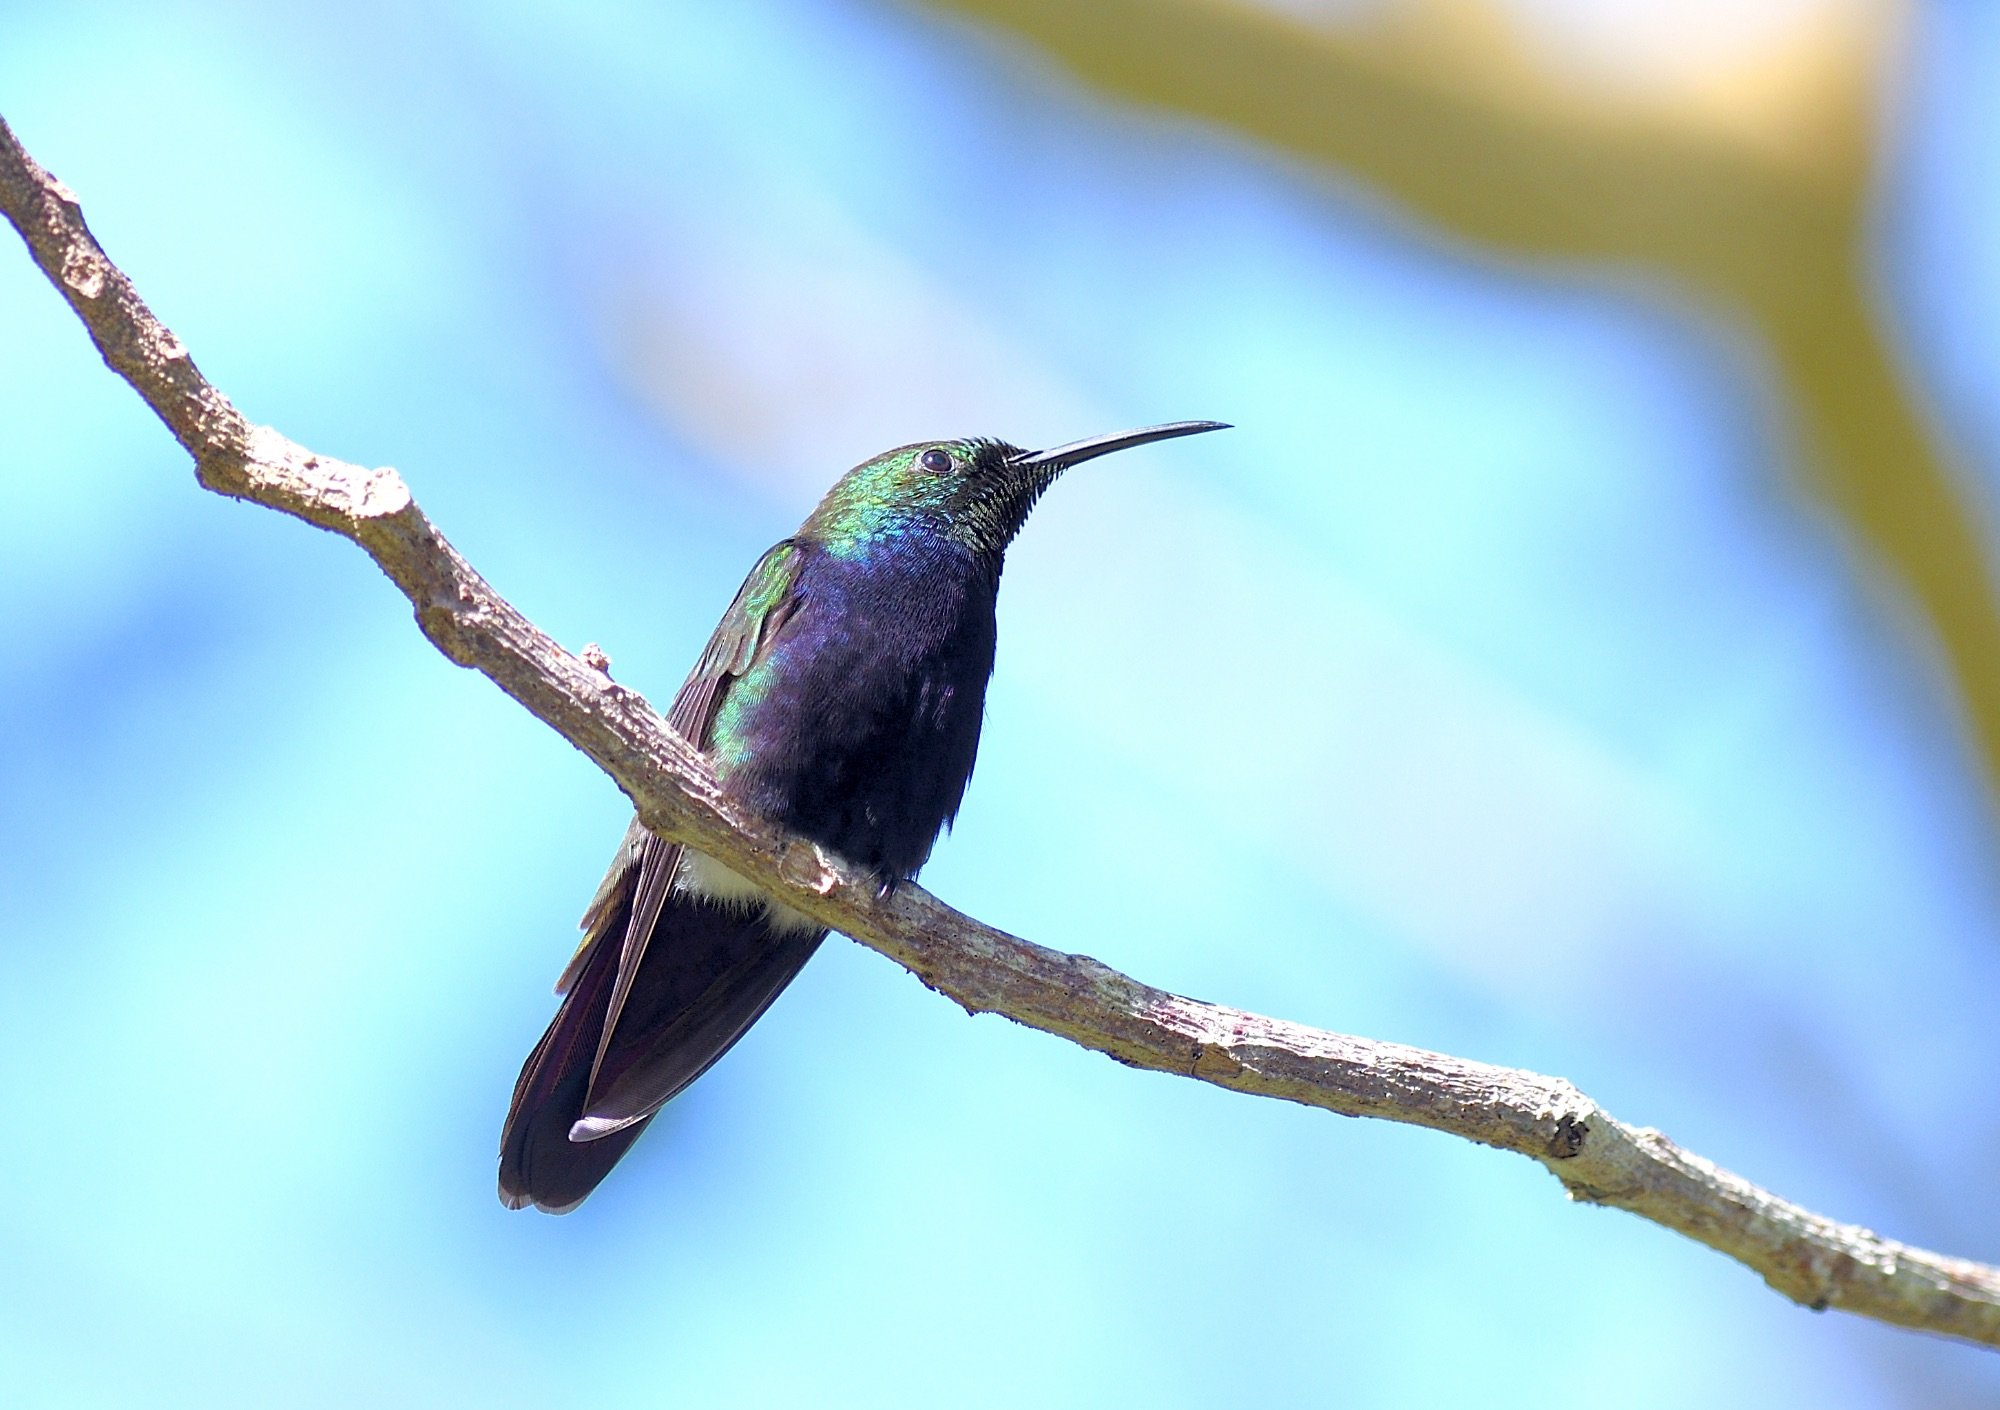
(712, 881)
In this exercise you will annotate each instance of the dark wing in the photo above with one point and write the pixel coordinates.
(765, 602)
(539, 1163)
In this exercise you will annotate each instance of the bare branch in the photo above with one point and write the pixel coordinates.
(1808, 1258)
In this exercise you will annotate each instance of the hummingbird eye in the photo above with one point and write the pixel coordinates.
(934, 460)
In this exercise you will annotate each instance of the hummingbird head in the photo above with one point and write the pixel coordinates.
(977, 492)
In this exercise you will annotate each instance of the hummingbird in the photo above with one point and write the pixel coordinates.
(841, 697)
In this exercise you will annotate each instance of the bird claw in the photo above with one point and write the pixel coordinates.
(887, 888)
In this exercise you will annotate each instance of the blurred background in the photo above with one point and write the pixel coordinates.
(1583, 655)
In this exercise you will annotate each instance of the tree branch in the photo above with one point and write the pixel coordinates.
(1808, 1258)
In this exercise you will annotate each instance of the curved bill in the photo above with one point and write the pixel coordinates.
(1076, 452)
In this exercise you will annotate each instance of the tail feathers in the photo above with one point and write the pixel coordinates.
(699, 988)
(539, 1164)
(707, 973)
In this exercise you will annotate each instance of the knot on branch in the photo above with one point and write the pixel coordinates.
(83, 271)
(801, 863)
(335, 489)
(1566, 1142)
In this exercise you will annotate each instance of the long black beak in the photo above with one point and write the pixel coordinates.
(1076, 452)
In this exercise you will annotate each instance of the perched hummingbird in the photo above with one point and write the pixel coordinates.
(841, 696)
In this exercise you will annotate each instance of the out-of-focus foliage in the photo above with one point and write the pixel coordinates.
(1730, 152)
(1489, 688)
